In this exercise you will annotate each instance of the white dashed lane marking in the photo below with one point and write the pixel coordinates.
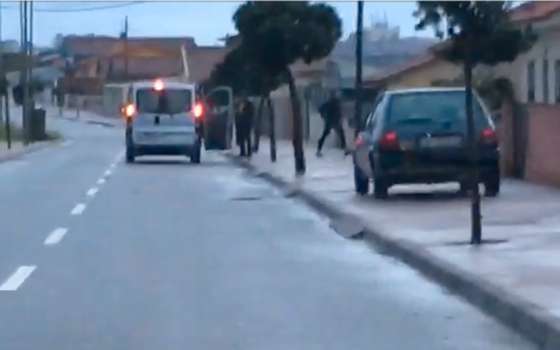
(92, 191)
(17, 278)
(101, 181)
(78, 209)
(107, 173)
(56, 236)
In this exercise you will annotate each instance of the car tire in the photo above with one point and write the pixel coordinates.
(361, 182)
(492, 185)
(380, 189)
(195, 155)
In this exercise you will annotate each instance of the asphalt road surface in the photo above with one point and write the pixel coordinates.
(97, 254)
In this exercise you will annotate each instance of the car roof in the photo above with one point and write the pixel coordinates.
(425, 89)
(168, 84)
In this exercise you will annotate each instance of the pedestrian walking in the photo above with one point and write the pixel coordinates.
(244, 125)
(332, 117)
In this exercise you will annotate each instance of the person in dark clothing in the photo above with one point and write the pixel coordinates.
(332, 116)
(244, 125)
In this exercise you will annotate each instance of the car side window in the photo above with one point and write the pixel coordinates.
(373, 116)
(369, 121)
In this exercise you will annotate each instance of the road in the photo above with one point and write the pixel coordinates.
(98, 254)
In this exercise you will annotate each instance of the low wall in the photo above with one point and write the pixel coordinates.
(543, 150)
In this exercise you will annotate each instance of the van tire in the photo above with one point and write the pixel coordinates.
(130, 154)
(195, 155)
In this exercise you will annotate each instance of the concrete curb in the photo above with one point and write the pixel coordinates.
(530, 320)
(34, 147)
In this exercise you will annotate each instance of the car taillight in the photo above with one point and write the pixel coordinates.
(359, 141)
(390, 141)
(198, 110)
(488, 137)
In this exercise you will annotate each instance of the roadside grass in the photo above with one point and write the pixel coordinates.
(17, 134)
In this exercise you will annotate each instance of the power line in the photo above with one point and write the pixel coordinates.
(85, 9)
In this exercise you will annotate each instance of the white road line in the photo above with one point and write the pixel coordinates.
(107, 173)
(101, 181)
(78, 209)
(56, 236)
(17, 278)
(92, 191)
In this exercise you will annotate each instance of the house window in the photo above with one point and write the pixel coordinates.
(531, 81)
(545, 80)
(557, 80)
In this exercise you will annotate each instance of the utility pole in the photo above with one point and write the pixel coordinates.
(23, 82)
(125, 35)
(358, 81)
(2, 80)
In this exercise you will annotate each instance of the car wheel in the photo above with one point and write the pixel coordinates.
(381, 189)
(492, 186)
(361, 182)
(195, 155)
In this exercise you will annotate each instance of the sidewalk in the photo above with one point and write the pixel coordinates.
(429, 228)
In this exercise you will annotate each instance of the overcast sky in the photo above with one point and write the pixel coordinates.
(205, 21)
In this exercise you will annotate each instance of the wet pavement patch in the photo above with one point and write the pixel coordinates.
(105, 124)
(348, 227)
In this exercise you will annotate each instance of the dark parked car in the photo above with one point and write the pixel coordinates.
(420, 136)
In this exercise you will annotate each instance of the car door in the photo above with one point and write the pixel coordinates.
(218, 120)
(365, 139)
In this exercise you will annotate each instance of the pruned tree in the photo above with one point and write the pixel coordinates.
(477, 32)
(277, 34)
(247, 77)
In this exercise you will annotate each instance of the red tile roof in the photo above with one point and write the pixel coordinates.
(534, 11)
(397, 70)
(105, 46)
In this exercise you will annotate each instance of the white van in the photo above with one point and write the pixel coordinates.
(163, 118)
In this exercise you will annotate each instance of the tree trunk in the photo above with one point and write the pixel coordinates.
(7, 120)
(297, 134)
(272, 131)
(258, 124)
(476, 230)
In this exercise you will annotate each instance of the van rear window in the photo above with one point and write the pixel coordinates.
(166, 101)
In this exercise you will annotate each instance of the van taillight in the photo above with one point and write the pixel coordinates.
(198, 110)
(129, 110)
(488, 137)
(390, 141)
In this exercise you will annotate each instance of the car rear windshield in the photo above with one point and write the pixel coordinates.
(433, 108)
(166, 101)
